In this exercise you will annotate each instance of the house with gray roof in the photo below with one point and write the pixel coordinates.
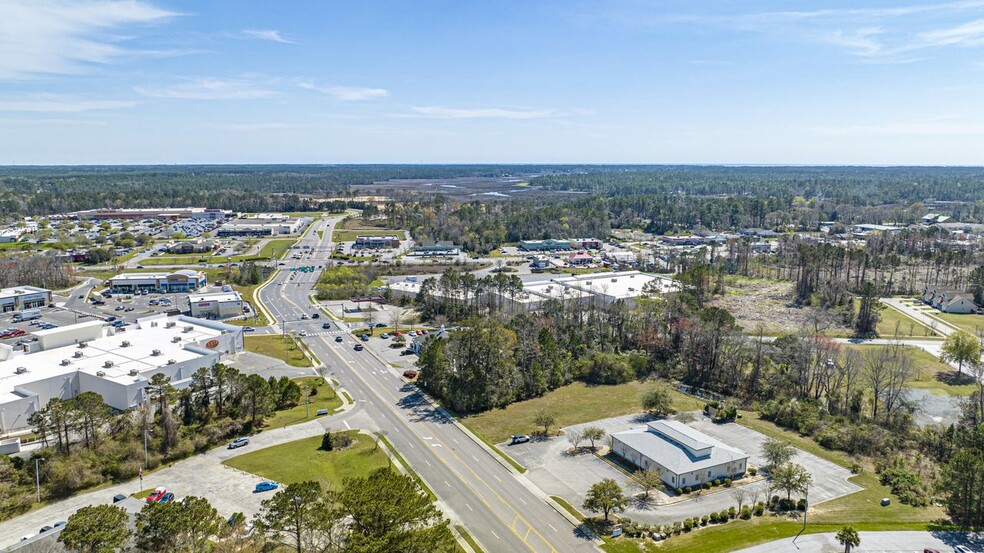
(684, 456)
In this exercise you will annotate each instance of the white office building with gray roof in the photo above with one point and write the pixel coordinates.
(684, 456)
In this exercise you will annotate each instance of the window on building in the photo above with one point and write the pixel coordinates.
(708, 474)
(684, 481)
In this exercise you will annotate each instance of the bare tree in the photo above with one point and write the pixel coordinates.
(575, 438)
(740, 495)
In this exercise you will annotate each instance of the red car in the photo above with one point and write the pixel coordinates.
(410, 374)
(156, 495)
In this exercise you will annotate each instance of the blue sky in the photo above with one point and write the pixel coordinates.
(635, 81)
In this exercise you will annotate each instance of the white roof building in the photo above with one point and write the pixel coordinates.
(683, 455)
(23, 297)
(116, 363)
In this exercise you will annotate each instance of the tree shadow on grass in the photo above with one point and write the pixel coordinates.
(951, 378)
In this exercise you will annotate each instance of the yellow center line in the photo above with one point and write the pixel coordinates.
(439, 457)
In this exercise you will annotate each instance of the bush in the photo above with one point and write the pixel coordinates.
(723, 516)
(908, 487)
(727, 482)
(679, 491)
(714, 518)
(687, 489)
(801, 505)
(676, 527)
(732, 512)
(759, 509)
(704, 519)
(752, 471)
(706, 485)
(717, 481)
(746, 512)
(688, 525)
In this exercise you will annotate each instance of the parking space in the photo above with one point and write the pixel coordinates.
(557, 472)
(12, 332)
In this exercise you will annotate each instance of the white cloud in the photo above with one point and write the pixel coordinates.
(480, 113)
(272, 35)
(58, 104)
(347, 93)
(968, 34)
(62, 36)
(212, 89)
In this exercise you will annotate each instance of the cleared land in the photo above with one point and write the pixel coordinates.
(930, 372)
(302, 460)
(572, 404)
(326, 398)
(350, 235)
(273, 346)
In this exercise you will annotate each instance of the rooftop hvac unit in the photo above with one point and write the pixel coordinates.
(631, 289)
(189, 328)
(100, 373)
(156, 352)
(134, 372)
(65, 362)
(78, 354)
(108, 364)
(171, 361)
(20, 370)
(125, 344)
(170, 324)
(83, 344)
(614, 280)
(176, 339)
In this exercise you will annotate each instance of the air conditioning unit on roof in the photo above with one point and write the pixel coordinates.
(156, 352)
(125, 344)
(78, 355)
(20, 370)
(65, 362)
(100, 373)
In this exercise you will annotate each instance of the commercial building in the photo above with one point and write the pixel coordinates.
(152, 213)
(219, 305)
(435, 250)
(200, 246)
(682, 455)
(184, 280)
(626, 286)
(560, 245)
(376, 242)
(262, 224)
(115, 363)
(23, 297)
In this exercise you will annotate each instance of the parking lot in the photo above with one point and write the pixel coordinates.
(51, 317)
(569, 476)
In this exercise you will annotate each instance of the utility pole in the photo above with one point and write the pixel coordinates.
(37, 475)
(806, 508)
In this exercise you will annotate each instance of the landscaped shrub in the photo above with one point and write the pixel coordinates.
(676, 527)
(687, 489)
(706, 485)
(752, 471)
(688, 525)
(746, 512)
(714, 518)
(785, 505)
(717, 481)
(703, 520)
(723, 516)
(679, 491)
(759, 509)
(727, 482)
(732, 511)
(801, 505)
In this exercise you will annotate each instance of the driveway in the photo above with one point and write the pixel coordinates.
(556, 472)
(905, 306)
(872, 542)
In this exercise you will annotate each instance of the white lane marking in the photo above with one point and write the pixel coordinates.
(347, 425)
(521, 499)
(437, 445)
(469, 507)
(496, 477)
(428, 462)
(476, 458)
(427, 437)
(409, 444)
(551, 527)
(455, 440)
(447, 484)
(494, 534)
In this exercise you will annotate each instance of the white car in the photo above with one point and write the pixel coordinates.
(238, 442)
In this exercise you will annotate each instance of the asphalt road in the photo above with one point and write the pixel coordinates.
(502, 510)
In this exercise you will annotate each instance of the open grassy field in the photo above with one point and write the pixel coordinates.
(970, 322)
(908, 327)
(349, 235)
(179, 259)
(572, 404)
(273, 346)
(325, 399)
(301, 460)
(930, 373)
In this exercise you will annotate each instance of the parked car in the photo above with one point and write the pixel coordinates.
(156, 495)
(519, 439)
(120, 308)
(166, 498)
(338, 338)
(265, 486)
(962, 549)
(407, 352)
(410, 374)
(238, 442)
(118, 497)
(364, 337)
(248, 329)
(384, 336)
(380, 325)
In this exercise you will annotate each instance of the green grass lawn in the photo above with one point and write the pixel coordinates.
(930, 373)
(350, 235)
(326, 399)
(273, 346)
(276, 248)
(189, 260)
(969, 322)
(907, 326)
(572, 404)
(301, 460)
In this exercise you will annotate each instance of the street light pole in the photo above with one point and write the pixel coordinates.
(37, 475)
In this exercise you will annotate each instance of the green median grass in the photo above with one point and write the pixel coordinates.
(273, 346)
(301, 460)
(350, 235)
(326, 398)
